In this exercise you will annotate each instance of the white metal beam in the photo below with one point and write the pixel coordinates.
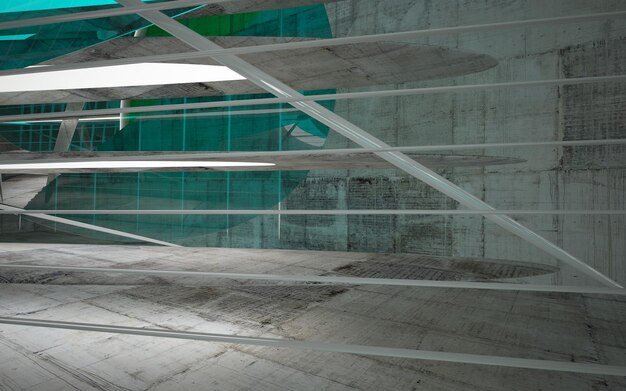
(478, 359)
(327, 42)
(318, 97)
(500, 286)
(363, 138)
(90, 227)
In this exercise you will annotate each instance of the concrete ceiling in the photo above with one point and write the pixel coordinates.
(346, 66)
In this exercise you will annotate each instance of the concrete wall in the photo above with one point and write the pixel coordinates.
(552, 178)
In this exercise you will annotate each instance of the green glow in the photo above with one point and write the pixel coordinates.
(40, 5)
(189, 190)
(17, 37)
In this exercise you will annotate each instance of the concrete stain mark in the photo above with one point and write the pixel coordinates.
(305, 293)
(438, 268)
(273, 305)
(93, 302)
(30, 277)
(46, 255)
(86, 377)
(594, 111)
(189, 297)
(258, 353)
(257, 305)
(71, 278)
(74, 378)
(197, 364)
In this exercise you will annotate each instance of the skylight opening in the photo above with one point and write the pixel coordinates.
(129, 75)
(15, 37)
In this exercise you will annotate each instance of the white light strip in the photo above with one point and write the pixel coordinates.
(112, 164)
(142, 74)
(466, 358)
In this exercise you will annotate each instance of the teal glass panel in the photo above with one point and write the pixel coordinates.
(275, 130)
(40, 5)
(50, 41)
(36, 44)
(15, 37)
(308, 21)
(40, 136)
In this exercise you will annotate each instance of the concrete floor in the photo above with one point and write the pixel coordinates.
(567, 327)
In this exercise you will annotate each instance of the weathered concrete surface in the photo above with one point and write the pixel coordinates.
(354, 65)
(552, 178)
(569, 327)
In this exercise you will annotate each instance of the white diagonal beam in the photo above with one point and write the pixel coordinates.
(363, 138)
(479, 359)
(90, 227)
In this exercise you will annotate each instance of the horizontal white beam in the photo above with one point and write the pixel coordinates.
(104, 13)
(478, 359)
(6, 158)
(90, 227)
(332, 279)
(324, 42)
(318, 97)
(310, 212)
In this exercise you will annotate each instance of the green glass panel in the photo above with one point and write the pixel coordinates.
(41, 136)
(288, 22)
(15, 37)
(35, 44)
(40, 5)
(199, 190)
(50, 41)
